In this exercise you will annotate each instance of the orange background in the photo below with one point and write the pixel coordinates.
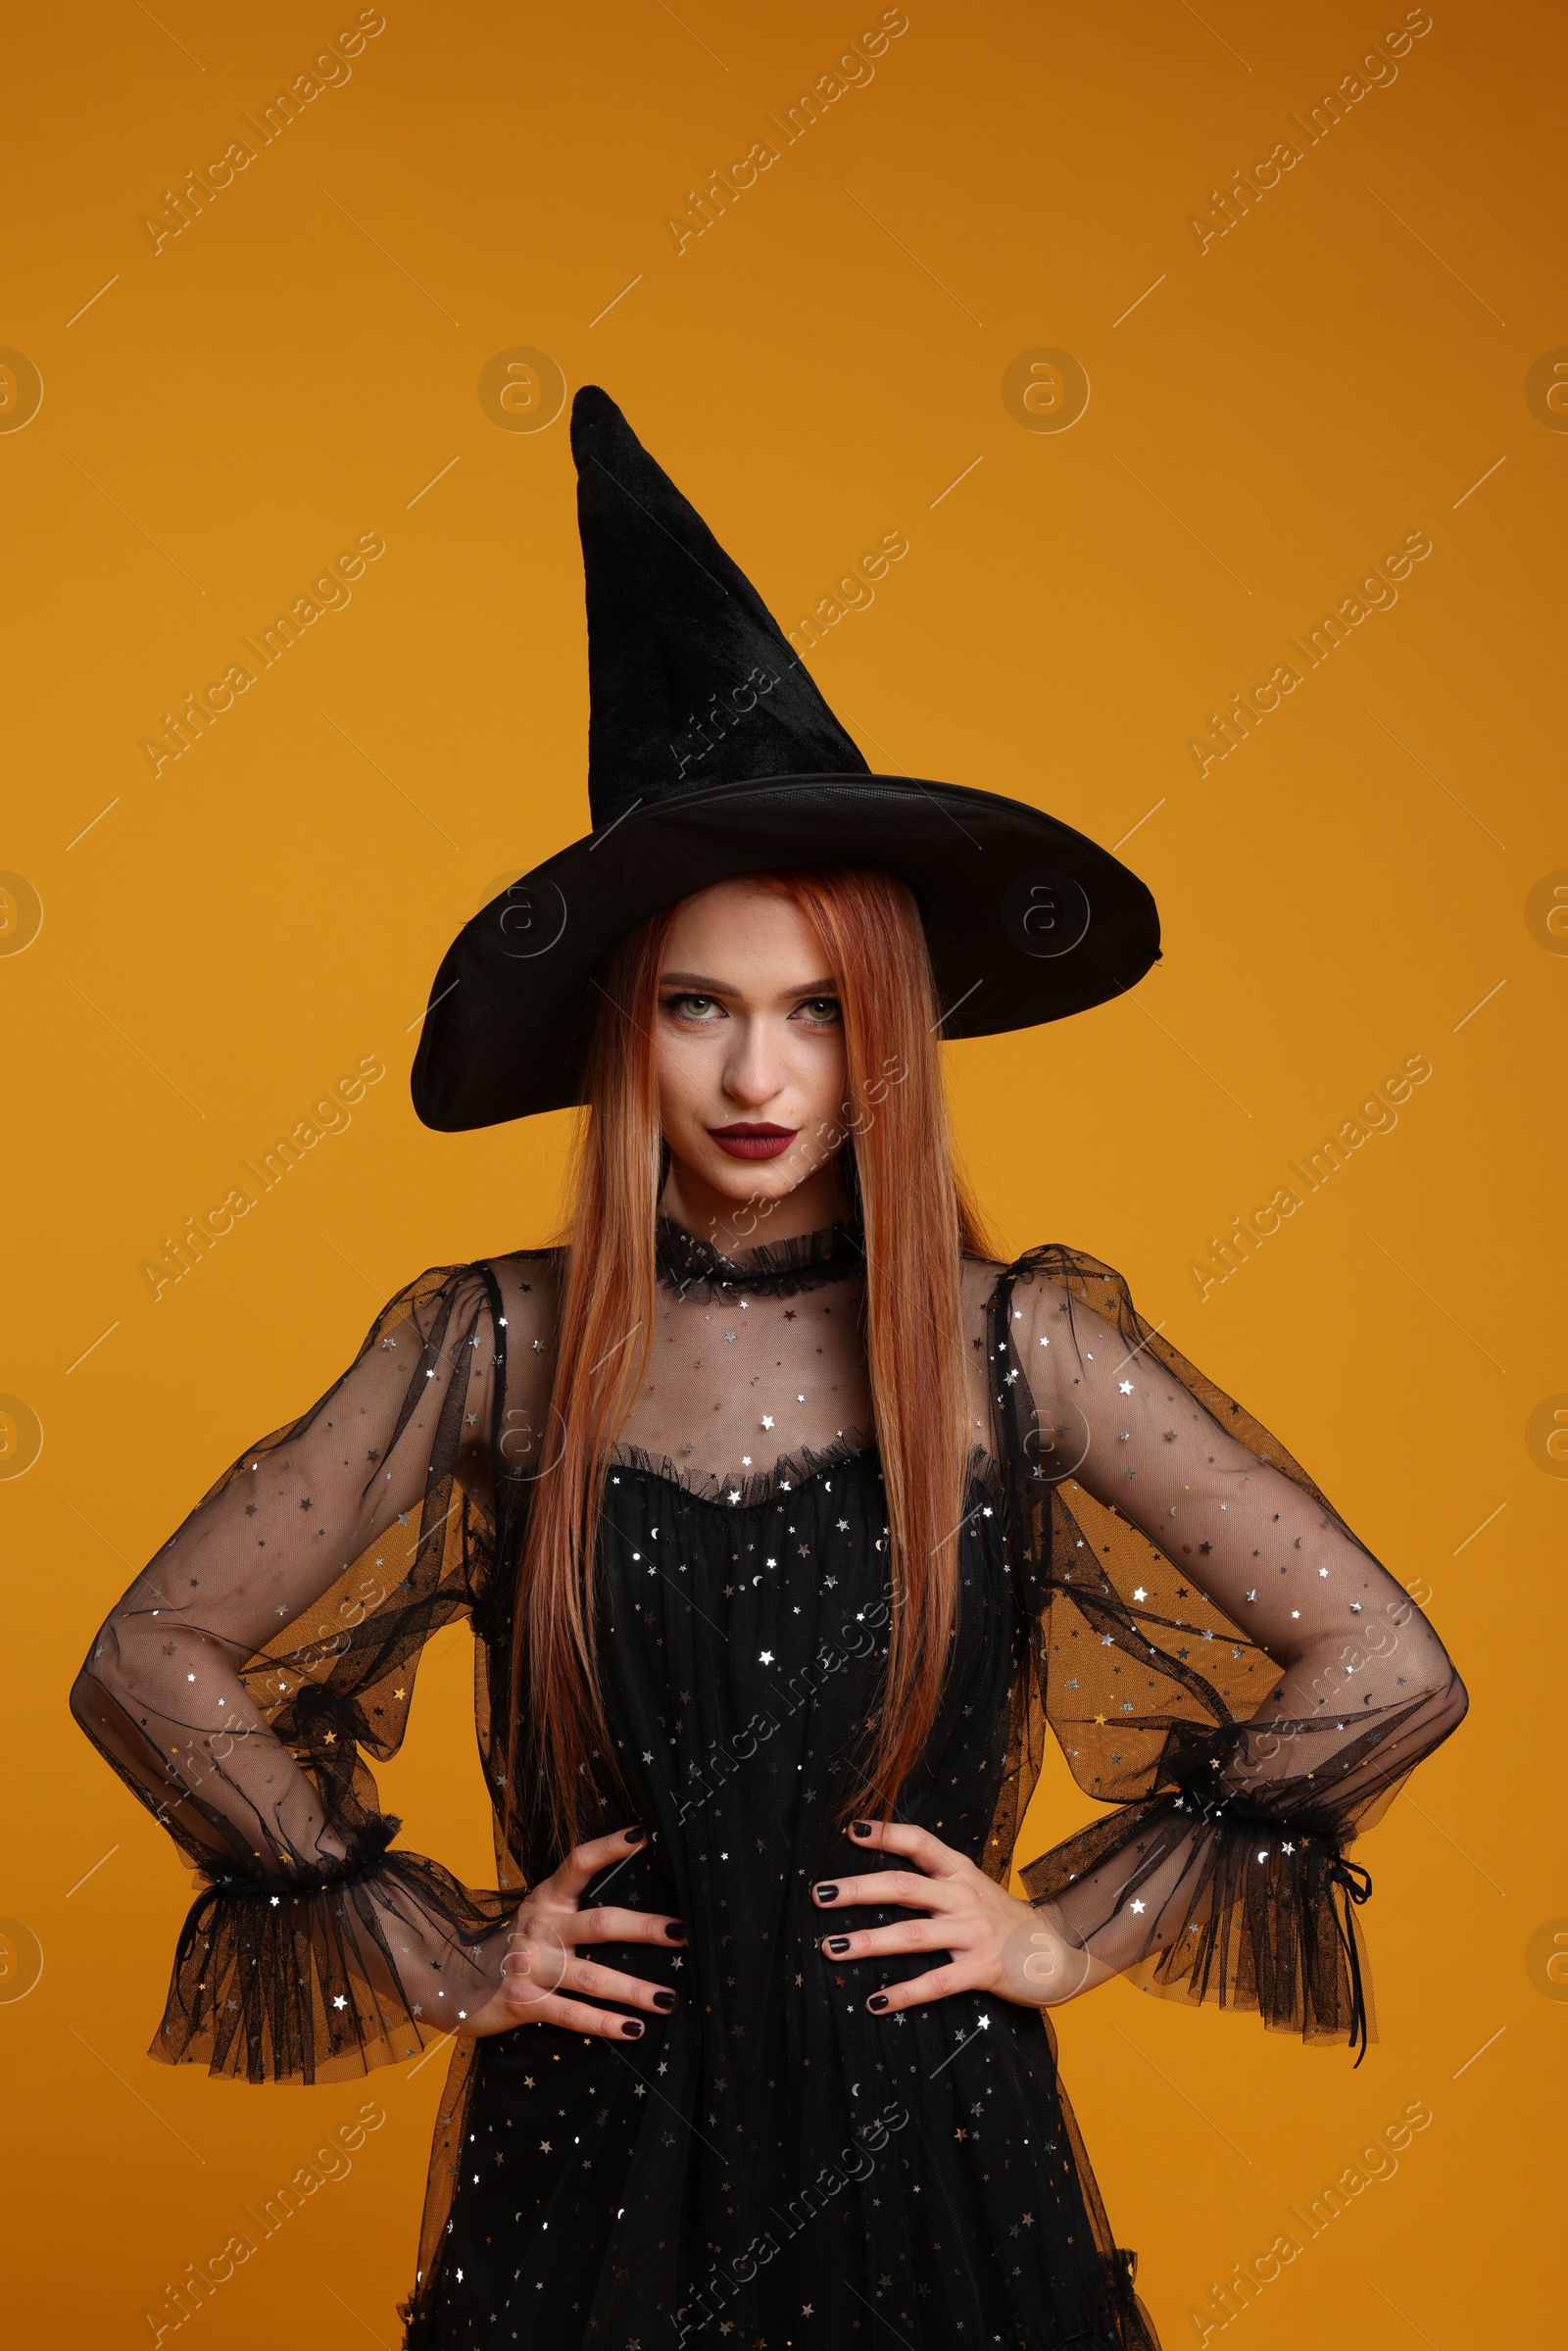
(220, 941)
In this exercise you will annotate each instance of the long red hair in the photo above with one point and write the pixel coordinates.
(920, 1222)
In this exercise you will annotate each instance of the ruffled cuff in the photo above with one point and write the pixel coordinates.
(322, 1973)
(1240, 1894)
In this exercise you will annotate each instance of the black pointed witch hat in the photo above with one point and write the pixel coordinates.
(712, 753)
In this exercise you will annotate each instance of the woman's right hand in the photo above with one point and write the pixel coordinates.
(541, 1969)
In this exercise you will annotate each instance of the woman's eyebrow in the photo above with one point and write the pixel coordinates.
(696, 981)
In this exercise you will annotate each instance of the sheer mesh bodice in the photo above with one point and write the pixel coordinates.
(1144, 1571)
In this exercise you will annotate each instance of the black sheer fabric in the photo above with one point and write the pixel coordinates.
(1144, 1571)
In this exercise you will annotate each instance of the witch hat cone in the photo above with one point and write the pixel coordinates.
(712, 753)
(691, 680)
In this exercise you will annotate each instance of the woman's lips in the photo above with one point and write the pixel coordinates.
(754, 1142)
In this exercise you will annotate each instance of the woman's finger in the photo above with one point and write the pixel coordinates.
(918, 1845)
(908, 1935)
(604, 1923)
(586, 1860)
(608, 1984)
(577, 2017)
(937, 1983)
(891, 1886)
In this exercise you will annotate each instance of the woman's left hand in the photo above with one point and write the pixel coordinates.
(1020, 1951)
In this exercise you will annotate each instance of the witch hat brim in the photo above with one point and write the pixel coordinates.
(712, 753)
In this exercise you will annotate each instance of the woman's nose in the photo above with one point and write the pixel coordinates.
(754, 1076)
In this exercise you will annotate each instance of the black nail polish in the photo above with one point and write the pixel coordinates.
(675, 1928)
(826, 1893)
(632, 2028)
(634, 1836)
(837, 1943)
(859, 1828)
(878, 2001)
(664, 2000)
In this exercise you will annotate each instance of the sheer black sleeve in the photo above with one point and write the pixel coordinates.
(264, 1653)
(1219, 1658)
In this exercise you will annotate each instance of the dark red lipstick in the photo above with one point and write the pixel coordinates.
(761, 1141)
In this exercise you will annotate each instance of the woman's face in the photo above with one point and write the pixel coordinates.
(751, 1069)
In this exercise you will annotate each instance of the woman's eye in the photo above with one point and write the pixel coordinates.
(691, 1008)
(820, 1007)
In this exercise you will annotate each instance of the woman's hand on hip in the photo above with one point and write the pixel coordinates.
(1020, 1951)
(540, 1971)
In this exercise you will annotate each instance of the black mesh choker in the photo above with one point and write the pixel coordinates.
(778, 1270)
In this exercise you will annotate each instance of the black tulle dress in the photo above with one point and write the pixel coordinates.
(1144, 1571)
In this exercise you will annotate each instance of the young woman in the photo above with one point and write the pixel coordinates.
(787, 1520)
